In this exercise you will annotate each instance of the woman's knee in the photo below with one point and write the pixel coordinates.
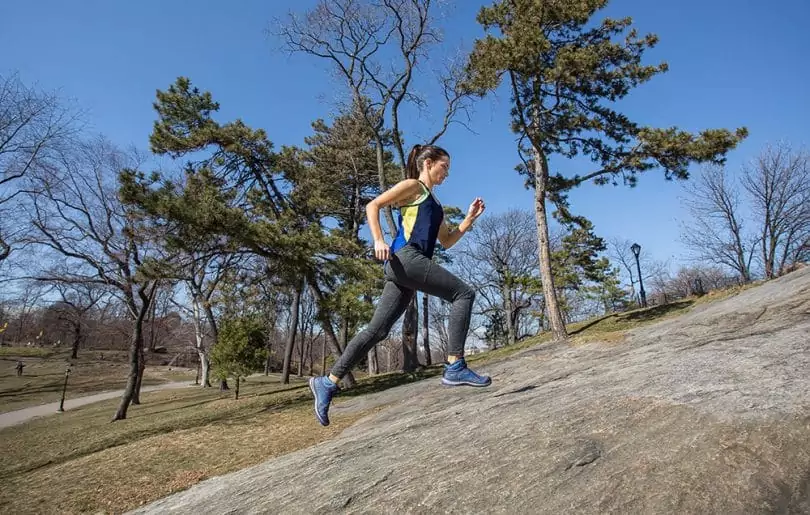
(376, 334)
(466, 294)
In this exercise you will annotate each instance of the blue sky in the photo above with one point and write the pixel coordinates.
(732, 63)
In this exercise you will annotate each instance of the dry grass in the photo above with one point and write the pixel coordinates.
(167, 463)
(168, 443)
(26, 352)
(78, 462)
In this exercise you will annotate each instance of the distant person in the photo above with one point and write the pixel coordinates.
(408, 268)
(20, 366)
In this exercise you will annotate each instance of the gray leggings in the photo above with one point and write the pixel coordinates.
(407, 271)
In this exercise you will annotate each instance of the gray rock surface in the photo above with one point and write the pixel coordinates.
(705, 413)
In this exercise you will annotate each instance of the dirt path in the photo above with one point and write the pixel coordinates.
(13, 418)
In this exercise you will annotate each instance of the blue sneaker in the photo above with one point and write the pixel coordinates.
(323, 389)
(458, 374)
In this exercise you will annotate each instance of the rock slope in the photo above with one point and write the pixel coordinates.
(705, 413)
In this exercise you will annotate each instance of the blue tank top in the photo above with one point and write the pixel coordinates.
(419, 223)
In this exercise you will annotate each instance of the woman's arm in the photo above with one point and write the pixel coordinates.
(402, 192)
(448, 237)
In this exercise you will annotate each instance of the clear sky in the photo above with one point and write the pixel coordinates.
(732, 63)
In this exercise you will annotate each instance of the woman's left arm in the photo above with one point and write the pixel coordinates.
(448, 237)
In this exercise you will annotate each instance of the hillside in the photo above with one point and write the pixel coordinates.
(706, 412)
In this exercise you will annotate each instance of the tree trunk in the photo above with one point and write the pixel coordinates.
(426, 330)
(410, 326)
(312, 339)
(236, 396)
(199, 341)
(205, 369)
(514, 321)
(373, 365)
(267, 361)
(77, 338)
(136, 397)
(509, 314)
(552, 305)
(271, 332)
(212, 322)
(323, 356)
(135, 356)
(343, 332)
(290, 344)
(770, 266)
(302, 344)
(152, 339)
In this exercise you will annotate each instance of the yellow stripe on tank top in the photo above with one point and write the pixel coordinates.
(409, 219)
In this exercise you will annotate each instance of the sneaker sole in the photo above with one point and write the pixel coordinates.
(447, 382)
(317, 416)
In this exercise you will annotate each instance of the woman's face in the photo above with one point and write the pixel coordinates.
(438, 169)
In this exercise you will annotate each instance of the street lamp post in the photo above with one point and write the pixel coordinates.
(64, 389)
(636, 248)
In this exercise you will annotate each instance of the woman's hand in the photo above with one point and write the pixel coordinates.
(381, 250)
(476, 209)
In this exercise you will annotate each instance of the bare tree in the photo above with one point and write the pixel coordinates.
(156, 317)
(778, 182)
(692, 280)
(716, 232)
(358, 37)
(77, 218)
(292, 330)
(499, 259)
(307, 328)
(75, 302)
(34, 127)
(22, 306)
(202, 274)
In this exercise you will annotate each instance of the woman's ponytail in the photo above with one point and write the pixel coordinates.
(412, 169)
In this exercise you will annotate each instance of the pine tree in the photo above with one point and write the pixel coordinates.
(241, 350)
(565, 71)
(260, 201)
(577, 264)
(339, 169)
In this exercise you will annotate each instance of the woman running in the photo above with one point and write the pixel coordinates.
(408, 268)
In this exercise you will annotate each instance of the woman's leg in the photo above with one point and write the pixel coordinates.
(416, 271)
(392, 305)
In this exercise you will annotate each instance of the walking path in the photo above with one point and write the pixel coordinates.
(12, 418)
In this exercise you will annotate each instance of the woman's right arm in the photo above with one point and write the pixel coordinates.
(401, 193)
